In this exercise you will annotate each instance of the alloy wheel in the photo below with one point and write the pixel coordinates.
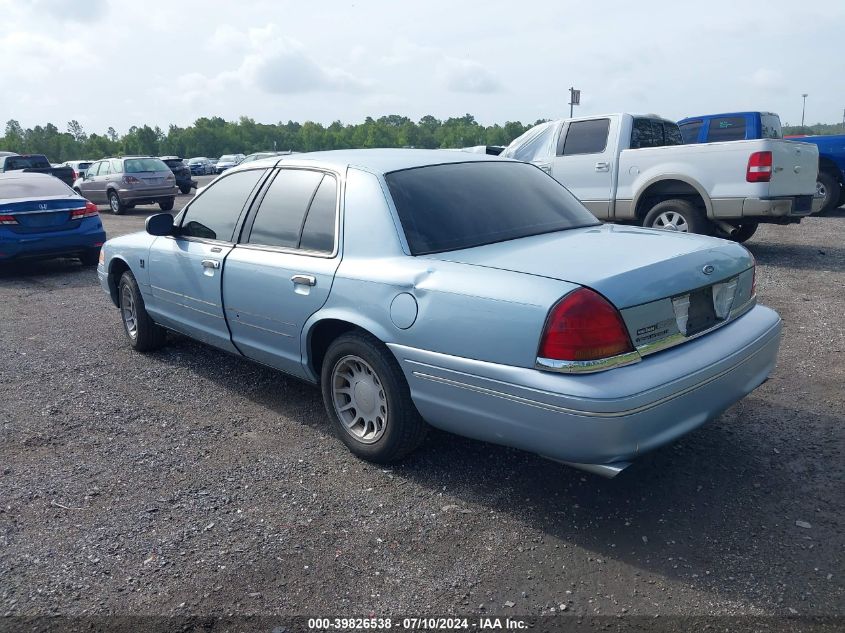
(359, 399)
(671, 221)
(129, 312)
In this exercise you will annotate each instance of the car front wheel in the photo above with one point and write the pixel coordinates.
(143, 333)
(368, 399)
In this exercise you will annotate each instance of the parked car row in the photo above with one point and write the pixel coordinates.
(125, 182)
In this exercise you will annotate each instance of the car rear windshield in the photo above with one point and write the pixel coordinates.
(174, 162)
(227, 158)
(461, 205)
(27, 162)
(84, 165)
(11, 188)
(137, 165)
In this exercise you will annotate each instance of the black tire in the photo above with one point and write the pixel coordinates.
(147, 335)
(831, 190)
(115, 203)
(166, 204)
(744, 232)
(404, 428)
(90, 257)
(185, 189)
(689, 217)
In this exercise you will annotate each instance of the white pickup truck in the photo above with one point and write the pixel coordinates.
(635, 168)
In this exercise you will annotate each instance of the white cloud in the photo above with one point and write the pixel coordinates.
(81, 11)
(466, 75)
(768, 79)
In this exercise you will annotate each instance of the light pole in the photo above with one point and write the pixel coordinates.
(574, 100)
(803, 107)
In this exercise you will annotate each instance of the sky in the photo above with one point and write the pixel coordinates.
(121, 63)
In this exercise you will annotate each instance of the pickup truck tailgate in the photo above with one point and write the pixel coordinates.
(794, 168)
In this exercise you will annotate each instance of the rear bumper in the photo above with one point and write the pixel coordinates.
(601, 418)
(147, 194)
(786, 207)
(52, 244)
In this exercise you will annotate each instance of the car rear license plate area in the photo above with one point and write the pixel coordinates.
(702, 316)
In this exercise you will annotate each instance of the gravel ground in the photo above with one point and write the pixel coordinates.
(188, 481)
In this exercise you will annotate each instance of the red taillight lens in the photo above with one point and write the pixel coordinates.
(8, 219)
(89, 211)
(584, 326)
(759, 167)
(75, 175)
(131, 180)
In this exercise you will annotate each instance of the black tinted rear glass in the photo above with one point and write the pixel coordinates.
(279, 219)
(33, 188)
(27, 162)
(654, 133)
(726, 129)
(461, 205)
(690, 131)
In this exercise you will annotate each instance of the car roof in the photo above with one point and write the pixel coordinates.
(377, 161)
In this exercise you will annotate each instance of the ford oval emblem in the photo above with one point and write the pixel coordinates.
(708, 269)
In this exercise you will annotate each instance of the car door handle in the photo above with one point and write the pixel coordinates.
(304, 280)
(210, 263)
(602, 166)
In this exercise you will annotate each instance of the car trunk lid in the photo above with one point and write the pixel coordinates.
(42, 214)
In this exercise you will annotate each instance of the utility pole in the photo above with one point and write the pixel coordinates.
(574, 99)
(803, 107)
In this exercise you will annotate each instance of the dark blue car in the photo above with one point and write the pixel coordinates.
(40, 216)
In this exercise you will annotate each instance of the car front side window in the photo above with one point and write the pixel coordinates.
(214, 214)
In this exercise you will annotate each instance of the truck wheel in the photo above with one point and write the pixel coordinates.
(143, 333)
(368, 400)
(744, 232)
(166, 204)
(829, 189)
(115, 203)
(677, 215)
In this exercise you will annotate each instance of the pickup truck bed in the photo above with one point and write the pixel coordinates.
(37, 163)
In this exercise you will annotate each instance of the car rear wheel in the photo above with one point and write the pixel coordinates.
(90, 257)
(166, 204)
(677, 215)
(368, 399)
(828, 189)
(115, 203)
(143, 333)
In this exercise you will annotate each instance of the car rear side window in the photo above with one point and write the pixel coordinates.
(319, 229)
(726, 129)
(586, 137)
(282, 212)
(461, 205)
(654, 133)
(771, 126)
(214, 214)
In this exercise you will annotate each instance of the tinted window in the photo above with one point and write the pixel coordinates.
(460, 205)
(318, 232)
(33, 188)
(213, 214)
(771, 126)
(691, 130)
(27, 162)
(654, 133)
(586, 137)
(282, 212)
(138, 165)
(726, 129)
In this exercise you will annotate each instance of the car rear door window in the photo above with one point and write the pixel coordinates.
(214, 214)
(726, 129)
(281, 215)
(105, 168)
(586, 137)
(319, 229)
(654, 133)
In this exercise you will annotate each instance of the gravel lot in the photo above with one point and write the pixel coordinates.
(188, 481)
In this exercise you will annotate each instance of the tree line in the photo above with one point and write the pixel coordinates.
(215, 136)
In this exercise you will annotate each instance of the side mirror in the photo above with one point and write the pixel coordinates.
(159, 224)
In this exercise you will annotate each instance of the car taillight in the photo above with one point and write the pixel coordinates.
(89, 211)
(584, 326)
(8, 219)
(759, 167)
(131, 180)
(75, 175)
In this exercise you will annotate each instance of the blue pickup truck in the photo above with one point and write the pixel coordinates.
(740, 126)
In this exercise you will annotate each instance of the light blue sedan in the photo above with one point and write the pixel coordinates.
(467, 292)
